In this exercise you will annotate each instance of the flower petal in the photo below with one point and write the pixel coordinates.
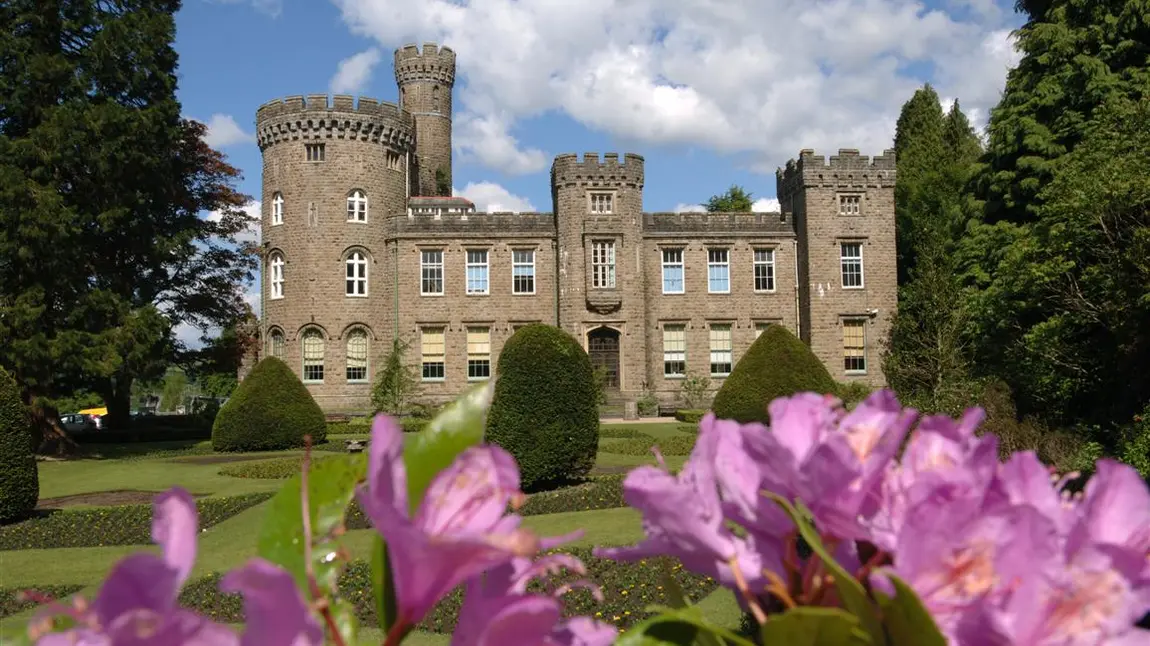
(502, 621)
(386, 473)
(583, 631)
(470, 495)
(275, 610)
(175, 528)
(138, 582)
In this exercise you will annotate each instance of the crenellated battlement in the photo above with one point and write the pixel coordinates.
(480, 225)
(434, 63)
(847, 169)
(694, 224)
(568, 168)
(318, 116)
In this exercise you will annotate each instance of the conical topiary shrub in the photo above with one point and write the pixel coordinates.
(778, 364)
(19, 477)
(270, 410)
(544, 411)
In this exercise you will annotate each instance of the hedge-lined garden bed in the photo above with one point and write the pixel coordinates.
(11, 604)
(620, 432)
(104, 526)
(642, 446)
(628, 589)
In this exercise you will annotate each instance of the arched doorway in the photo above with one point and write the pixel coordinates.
(603, 348)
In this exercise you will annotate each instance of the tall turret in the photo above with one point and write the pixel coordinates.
(425, 82)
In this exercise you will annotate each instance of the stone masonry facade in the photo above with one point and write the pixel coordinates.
(360, 247)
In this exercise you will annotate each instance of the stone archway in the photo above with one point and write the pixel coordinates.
(603, 348)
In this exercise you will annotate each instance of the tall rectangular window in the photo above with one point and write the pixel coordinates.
(673, 271)
(603, 264)
(674, 350)
(523, 271)
(313, 346)
(357, 356)
(431, 272)
(477, 271)
(393, 161)
(720, 349)
(764, 270)
(854, 346)
(850, 204)
(478, 353)
(718, 271)
(315, 152)
(432, 347)
(850, 257)
(602, 203)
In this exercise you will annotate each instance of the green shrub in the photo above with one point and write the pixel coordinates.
(11, 603)
(136, 435)
(777, 364)
(628, 590)
(273, 469)
(642, 446)
(690, 415)
(620, 432)
(271, 410)
(1135, 449)
(648, 403)
(544, 410)
(852, 392)
(19, 476)
(339, 428)
(104, 526)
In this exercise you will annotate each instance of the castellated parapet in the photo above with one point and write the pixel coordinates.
(434, 63)
(314, 117)
(846, 170)
(568, 169)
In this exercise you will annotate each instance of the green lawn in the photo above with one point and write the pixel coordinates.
(158, 466)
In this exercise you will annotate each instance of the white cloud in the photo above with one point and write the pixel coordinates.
(690, 208)
(273, 8)
(223, 131)
(765, 78)
(353, 72)
(252, 232)
(761, 205)
(492, 198)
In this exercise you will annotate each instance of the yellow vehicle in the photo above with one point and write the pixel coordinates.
(98, 412)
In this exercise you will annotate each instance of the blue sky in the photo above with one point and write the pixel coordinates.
(711, 92)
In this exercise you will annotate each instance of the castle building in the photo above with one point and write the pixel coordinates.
(362, 243)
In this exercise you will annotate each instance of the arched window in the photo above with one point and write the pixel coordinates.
(276, 344)
(357, 355)
(313, 356)
(277, 209)
(277, 275)
(357, 206)
(435, 98)
(356, 274)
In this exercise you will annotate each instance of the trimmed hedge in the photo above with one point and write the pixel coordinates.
(544, 411)
(642, 446)
(273, 469)
(271, 410)
(778, 364)
(690, 415)
(620, 432)
(19, 475)
(11, 604)
(104, 526)
(135, 436)
(628, 589)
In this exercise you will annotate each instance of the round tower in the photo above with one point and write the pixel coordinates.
(425, 82)
(332, 174)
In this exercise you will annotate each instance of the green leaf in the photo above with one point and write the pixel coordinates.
(382, 585)
(813, 626)
(679, 600)
(331, 485)
(853, 596)
(906, 619)
(343, 612)
(459, 426)
(679, 627)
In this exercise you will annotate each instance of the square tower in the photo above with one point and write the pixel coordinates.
(848, 281)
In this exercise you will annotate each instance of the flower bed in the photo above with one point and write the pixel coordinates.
(620, 432)
(104, 526)
(274, 469)
(642, 446)
(11, 604)
(628, 589)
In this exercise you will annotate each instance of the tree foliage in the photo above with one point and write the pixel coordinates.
(102, 185)
(397, 383)
(19, 475)
(735, 200)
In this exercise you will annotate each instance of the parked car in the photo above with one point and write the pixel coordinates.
(78, 423)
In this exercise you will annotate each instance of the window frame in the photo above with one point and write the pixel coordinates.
(768, 266)
(681, 265)
(592, 202)
(670, 354)
(355, 258)
(277, 343)
(518, 264)
(277, 262)
(844, 259)
(607, 276)
(478, 362)
(313, 333)
(277, 209)
(469, 264)
(426, 266)
(862, 325)
(712, 265)
(850, 204)
(315, 152)
(729, 350)
(356, 206)
(366, 378)
(424, 332)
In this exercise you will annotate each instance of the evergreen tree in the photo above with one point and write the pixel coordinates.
(959, 138)
(397, 382)
(102, 183)
(735, 200)
(918, 145)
